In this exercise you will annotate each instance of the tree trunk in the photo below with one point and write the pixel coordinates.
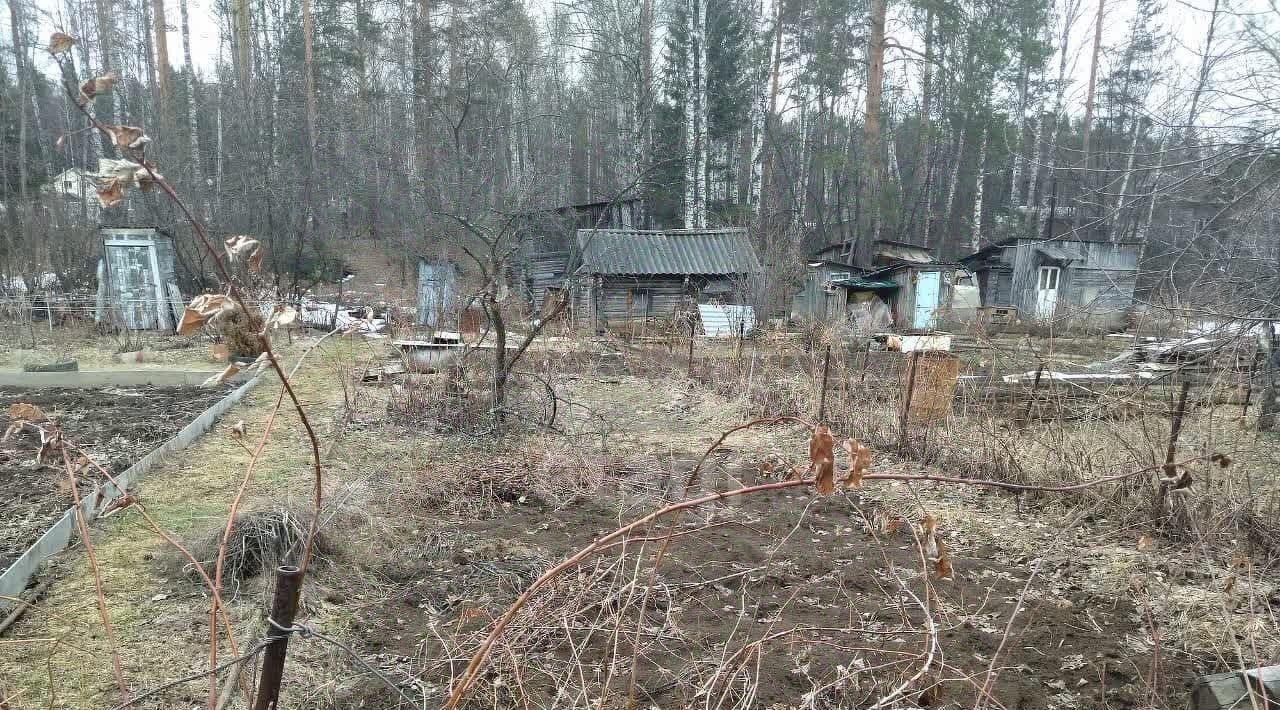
(1082, 197)
(162, 61)
(17, 25)
(423, 82)
(193, 128)
(975, 234)
(768, 143)
(873, 178)
(242, 43)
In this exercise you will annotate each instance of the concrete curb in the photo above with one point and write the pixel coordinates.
(59, 535)
(106, 378)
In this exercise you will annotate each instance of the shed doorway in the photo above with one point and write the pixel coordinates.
(928, 289)
(1047, 291)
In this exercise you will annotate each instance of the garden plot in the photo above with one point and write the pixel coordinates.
(115, 426)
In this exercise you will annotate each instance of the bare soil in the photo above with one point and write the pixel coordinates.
(115, 426)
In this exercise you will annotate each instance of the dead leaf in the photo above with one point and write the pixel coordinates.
(942, 563)
(246, 249)
(111, 194)
(127, 137)
(1145, 542)
(222, 377)
(822, 460)
(935, 550)
(50, 441)
(61, 43)
(60, 144)
(1222, 460)
(98, 85)
(146, 179)
(26, 412)
(116, 505)
(283, 315)
(237, 431)
(205, 308)
(1229, 586)
(859, 462)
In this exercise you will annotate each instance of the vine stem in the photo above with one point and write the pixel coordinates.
(254, 319)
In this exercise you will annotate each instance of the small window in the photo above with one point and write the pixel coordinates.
(840, 276)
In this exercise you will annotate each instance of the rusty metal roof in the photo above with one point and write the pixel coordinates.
(674, 251)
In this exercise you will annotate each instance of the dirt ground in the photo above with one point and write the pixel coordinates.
(783, 599)
(115, 426)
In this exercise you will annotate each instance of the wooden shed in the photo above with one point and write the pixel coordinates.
(1089, 282)
(927, 293)
(548, 245)
(137, 281)
(632, 275)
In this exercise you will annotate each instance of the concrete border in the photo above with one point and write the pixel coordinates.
(14, 580)
(107, 378)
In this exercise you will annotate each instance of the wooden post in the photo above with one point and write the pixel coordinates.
(904, 417)
(866, 361)
(1035, 387)
(1171, 451)
(693, 327)
(338, 306)
(283, 608)
(1175, 429)
(822, 394)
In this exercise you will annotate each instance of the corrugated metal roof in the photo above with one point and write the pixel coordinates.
(1056, 253)
(677, 251)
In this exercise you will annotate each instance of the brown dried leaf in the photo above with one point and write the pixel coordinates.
(117, 505)
(49, 442)
(1145, 542)
(99, 85)
(237, 431)
(859, 462)
(60, 144)
(61, 43)
(1229, 586)
(822, 460)
(245, 248)
(283, 315)
(222, 377)
(26, 412)
(942, 565)
(127, 137)
(112, 193)
(205, 308)
(146, 179)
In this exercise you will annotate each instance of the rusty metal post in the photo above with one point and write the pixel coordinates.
(906, 401)
(822, 395)
(283, 608)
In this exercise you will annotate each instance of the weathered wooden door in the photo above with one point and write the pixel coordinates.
(1047, 292)
(132, 283)
(928, 290)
